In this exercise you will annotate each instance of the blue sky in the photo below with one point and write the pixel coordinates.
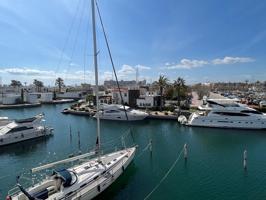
(200, 41)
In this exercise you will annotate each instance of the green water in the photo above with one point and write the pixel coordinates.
(213, 170)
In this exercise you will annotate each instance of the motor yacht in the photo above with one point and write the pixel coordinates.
(120, 112)
(13, 131)
(228, 115)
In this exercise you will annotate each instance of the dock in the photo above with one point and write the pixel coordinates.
(162, 115)
(60, 101)
(77, 112)
(24, 105)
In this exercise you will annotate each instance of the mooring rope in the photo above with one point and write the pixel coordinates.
(143, 151)
(165, 176)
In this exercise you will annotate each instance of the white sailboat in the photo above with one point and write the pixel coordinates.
(84, 181)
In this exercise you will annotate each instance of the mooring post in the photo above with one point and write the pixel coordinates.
(70, 133)
(123, 142)
(185, 151)
(245, 156)
(150, 146)
(79, 141)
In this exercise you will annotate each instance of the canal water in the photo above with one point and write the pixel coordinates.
(214, 169)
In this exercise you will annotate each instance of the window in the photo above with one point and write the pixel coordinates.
(231, 114)
(251, 111)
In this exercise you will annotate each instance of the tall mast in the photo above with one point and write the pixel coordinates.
(98, 147)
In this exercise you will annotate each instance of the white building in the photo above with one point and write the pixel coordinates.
(46, 97)
(37, 97)
(32, 98)
(70, 95)
(10, 99)
(149, 100)
(117, 98)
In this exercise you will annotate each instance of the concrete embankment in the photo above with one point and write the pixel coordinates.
(26, 105)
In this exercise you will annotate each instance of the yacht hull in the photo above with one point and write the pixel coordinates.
(225, 122)
(122, 118)
(24, 135)
(91, 181)
(104, 183)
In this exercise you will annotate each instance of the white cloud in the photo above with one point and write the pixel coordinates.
(142, 67)
(126, 70)
(231, 60)
(27, 71)
(189, 64)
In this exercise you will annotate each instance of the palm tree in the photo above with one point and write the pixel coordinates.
(38, 84)
(180, 87)
(15, 83)
(60, 83)
(161, 83)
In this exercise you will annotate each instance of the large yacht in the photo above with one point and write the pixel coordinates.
(13, 131)
(228, 115)
(117, 112)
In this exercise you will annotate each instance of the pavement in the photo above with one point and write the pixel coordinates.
(196, 102)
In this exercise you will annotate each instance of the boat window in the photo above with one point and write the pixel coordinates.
(111, 111)
(23, 128)
(25, 120)
(69, 193)
(83, 185)
(252, 111)
(231, 114)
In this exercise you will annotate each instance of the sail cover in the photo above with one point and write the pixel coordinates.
(65, 176)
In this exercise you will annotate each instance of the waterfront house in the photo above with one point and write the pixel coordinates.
(149, 100)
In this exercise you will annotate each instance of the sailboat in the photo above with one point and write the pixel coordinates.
(84, 181)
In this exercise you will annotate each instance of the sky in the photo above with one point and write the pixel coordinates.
(200, 41)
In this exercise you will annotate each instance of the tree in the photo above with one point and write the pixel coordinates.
(169, 92)
(38, 84)
(90, 99)
(161, 83)
(181, 90)
(15, 83)
(60, 83)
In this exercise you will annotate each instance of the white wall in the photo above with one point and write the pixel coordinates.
(46, 97)
(10, 99)
(31, 98)
(69, 95)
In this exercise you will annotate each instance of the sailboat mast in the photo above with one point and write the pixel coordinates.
(96, 74)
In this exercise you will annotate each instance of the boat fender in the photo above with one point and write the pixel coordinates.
(99, 188)
(123, 168)
(8, 198)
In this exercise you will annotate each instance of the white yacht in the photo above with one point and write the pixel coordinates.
(85, 180)
(120, 112)
(228, 115)
(13, 131)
